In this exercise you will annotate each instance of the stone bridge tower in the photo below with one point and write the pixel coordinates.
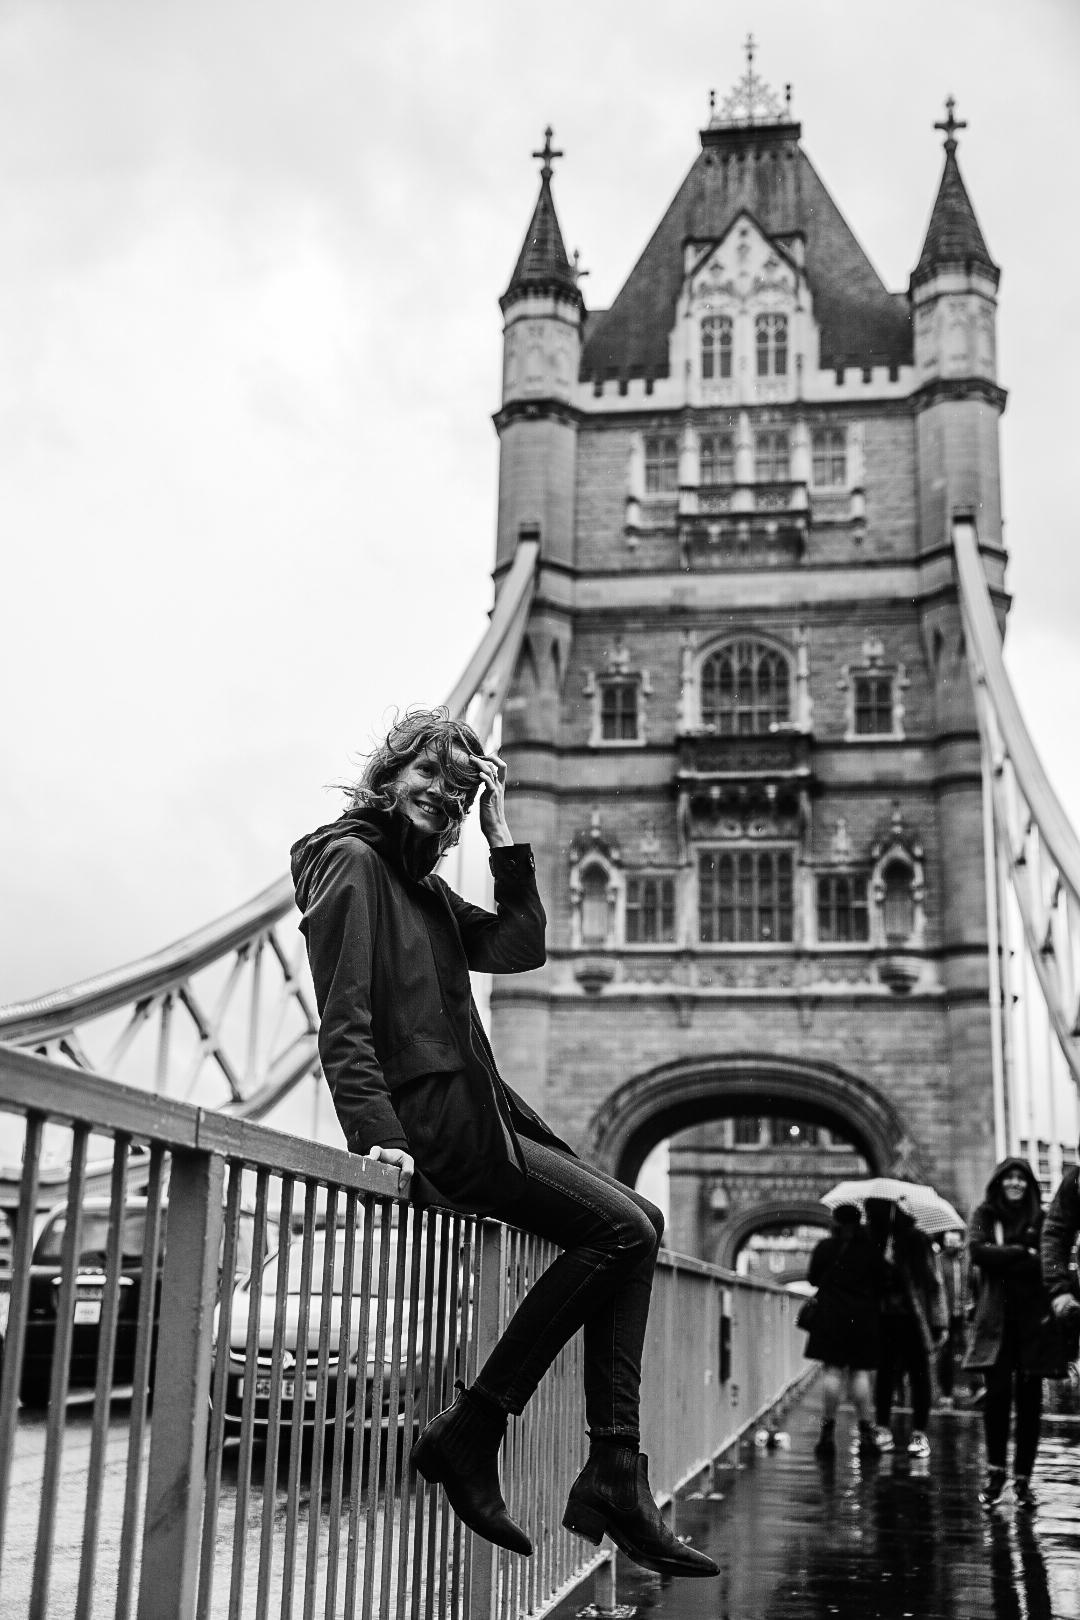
(741, 735)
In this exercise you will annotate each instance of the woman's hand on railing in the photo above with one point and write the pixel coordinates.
(404, 1161)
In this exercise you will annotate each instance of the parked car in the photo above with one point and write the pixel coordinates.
(44, 1295)
(300, 1360)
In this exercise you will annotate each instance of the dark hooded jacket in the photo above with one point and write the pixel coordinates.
(402, 1046)
(1011, 1326)
(1059, 1234)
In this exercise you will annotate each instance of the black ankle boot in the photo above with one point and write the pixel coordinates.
(611, 1495)
(459, 1450)
(990, 1495)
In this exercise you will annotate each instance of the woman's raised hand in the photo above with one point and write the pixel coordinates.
(493, 800)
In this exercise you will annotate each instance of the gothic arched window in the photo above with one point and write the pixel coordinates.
(716, 346)
(745, 688)
(771, 342)
(898, 903)
(594, 906)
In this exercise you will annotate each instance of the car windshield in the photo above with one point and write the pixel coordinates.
(94, 1237)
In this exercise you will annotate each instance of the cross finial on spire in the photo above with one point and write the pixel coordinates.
(547, 154)
(950, 124)
(751, 101)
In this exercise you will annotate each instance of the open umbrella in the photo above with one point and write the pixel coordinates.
(931, 1213)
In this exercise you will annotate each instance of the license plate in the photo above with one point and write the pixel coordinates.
(87, 1310)
(288, 1389)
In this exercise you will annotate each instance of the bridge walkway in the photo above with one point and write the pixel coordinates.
(888, 1538)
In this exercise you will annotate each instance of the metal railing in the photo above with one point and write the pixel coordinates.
(258, 1335)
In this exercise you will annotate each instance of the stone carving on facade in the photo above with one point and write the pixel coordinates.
(595, 882)
(650, 843)
(840, 845)
(897, 906)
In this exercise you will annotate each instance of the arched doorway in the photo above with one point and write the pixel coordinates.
(684, 1101)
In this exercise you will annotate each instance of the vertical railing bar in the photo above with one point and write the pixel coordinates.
(58, 1388)
(431, 1362)
(144, 1352)
(17, 1309)
(341, 1402)
(219, 1388)
(176, 1470)
(391, 1407)
(352, 1556)
(461, 1566)
(426, 1495)
(247, 1411)
(494, 1254)
(458, 1545)
(274, 1403)
(375, 1444)
(326, 1300)
(296, 1437)
(409, 1360)
(110, 1310)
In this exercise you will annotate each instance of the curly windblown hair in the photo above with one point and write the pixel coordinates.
(412, 733)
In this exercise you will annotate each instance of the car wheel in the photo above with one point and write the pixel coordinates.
(34, 1391)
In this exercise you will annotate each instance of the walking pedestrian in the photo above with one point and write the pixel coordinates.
(1057, 1248)
(1014, 1341)
(848, 1271)
(914, 1322)
(415, 1084)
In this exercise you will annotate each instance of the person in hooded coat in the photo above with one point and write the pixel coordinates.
(914, 1321)
(849, 1273)
(1013, 1342)
(415, 1084)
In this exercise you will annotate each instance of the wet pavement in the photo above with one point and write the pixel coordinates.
(885, 1538)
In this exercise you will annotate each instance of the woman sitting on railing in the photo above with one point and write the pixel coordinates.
(415, 1085)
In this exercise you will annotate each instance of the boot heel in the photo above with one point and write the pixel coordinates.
(585, 1521)
(422, 1460)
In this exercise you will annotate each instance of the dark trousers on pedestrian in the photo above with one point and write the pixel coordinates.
(602, 1282)
(1009, 1390)
(902, 1352)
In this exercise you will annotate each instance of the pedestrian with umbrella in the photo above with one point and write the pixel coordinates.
(848, 1272)
(1014, 1341)
(914, 1320)
(904, 1216)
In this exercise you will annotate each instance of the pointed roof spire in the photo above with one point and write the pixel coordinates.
(543, 261)
(953, 235)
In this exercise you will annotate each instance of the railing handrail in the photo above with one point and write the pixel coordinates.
(1055, 829)
(54, 1013)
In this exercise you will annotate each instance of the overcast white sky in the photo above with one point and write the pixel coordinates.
(250, 258)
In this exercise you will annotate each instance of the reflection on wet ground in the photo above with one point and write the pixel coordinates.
(885, 1538)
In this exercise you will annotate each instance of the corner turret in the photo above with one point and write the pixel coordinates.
(953, 295)
(543, 316)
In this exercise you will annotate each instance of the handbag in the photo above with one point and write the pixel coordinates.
(807, 1314)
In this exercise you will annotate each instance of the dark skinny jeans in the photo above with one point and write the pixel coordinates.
(1009, 1389)
(602, 1282)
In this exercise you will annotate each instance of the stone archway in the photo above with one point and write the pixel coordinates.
(653, 1106)
(749, 1221)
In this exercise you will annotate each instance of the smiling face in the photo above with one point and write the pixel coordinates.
(1014, 1186)
(423, 794)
